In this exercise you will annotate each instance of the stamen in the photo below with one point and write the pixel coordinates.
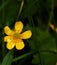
(16, 35)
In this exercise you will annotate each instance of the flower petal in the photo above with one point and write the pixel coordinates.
(7, 38)
(18, 26)
(20, 45)
(26, 35)
(8, 31)
(10, 45)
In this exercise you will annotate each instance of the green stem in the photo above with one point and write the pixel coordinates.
(4, 4)
(20, 9)
(22, 56)
(27, 54)
(51, 13)
(3, 45)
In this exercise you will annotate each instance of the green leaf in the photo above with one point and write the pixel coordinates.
(36, 59)
(30, 8)
(48, 58)
(8, 58)
(22, 56)
(4, 4)
(43, 42)
(0, 63)
(10, 11)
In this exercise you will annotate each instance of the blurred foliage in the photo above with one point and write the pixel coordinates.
(8, 59)
(41, 49)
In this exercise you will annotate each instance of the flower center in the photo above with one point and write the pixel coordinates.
(16, 35)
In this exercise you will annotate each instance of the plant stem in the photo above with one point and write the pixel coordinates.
(51, 13)
(3, 45)
(22, 56)
(20, 9)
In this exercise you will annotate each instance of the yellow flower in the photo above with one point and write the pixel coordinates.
(14, 37)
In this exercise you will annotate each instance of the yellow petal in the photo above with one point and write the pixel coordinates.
(26, 35)
(7, 38)
(8, 31)
(20, 45)
(10, 45)
(18, 26)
